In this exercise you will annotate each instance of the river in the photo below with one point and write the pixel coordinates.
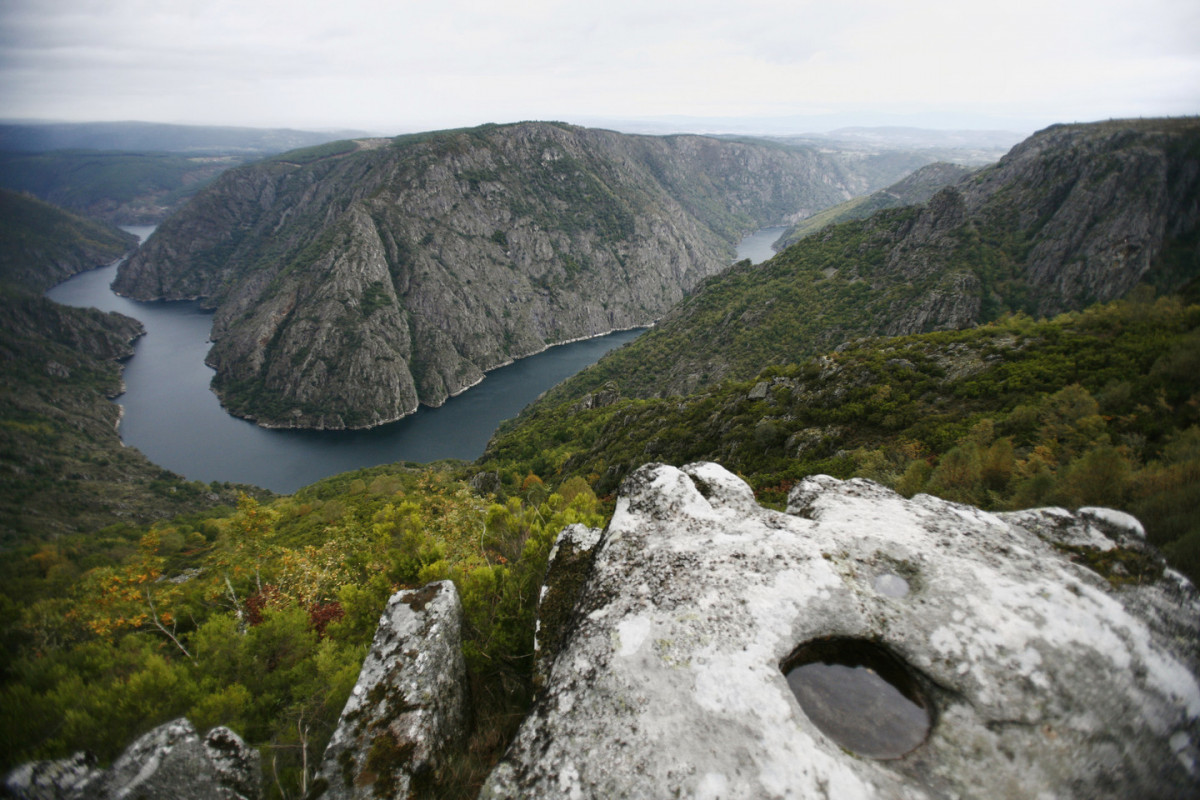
(172, 416)
(757, 246)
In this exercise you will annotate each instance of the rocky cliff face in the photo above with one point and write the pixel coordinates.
(1077, 214)
(1099, 208)
(1074, 215)
(353, 286)
(862, 645)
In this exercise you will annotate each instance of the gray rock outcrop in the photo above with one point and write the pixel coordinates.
(606, 395)
(408, 706)
(567, 570)
(171, 761)
(711, 650)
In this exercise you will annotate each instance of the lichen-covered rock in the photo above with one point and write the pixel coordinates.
(567, 569)
(171, 761)
(52, 780)
(485, 483)
(1026, 673)
(409, 704)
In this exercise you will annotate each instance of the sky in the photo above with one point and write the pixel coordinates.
(400, 66)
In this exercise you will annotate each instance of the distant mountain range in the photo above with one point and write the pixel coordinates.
(40, 137)
(131, 173)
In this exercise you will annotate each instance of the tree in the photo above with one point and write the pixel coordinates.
(133, 596)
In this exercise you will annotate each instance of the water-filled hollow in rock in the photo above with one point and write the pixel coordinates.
(890, 584)
(860, 695)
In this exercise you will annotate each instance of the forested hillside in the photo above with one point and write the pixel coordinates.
(63, 469)
(1098, 407)
(41, 245)
(259, 619)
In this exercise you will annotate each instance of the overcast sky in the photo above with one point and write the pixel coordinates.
(398, 66)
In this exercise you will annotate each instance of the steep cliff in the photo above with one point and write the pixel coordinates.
(1074, 215)
(352, 283)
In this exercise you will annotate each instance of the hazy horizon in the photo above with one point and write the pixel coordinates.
(765, 126)
(390, 68)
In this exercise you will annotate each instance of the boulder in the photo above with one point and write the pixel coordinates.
(171, 761)
(485, 483)
(52, 780)
(606, 395)
(863, 645)
(408, 706)
(759, 392)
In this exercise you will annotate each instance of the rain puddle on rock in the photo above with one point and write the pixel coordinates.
(891, 585)
(859, 695)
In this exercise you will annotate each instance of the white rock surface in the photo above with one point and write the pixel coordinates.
(409, 704)
(1046, 680)
(567, 568)
(50, 780)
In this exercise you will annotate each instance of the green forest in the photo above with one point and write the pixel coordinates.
(258, 617)
(1099, 407)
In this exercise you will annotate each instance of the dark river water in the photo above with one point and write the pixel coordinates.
(757, 246)
(172, 416)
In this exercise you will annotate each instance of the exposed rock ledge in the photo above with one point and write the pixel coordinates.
(1041, 677)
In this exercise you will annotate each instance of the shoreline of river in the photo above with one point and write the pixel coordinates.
(171, 414)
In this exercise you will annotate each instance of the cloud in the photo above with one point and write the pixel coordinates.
(406, 65)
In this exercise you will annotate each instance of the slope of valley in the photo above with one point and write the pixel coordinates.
(63, 469)
(1074, 215)
(355, 280)
(41, 244)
